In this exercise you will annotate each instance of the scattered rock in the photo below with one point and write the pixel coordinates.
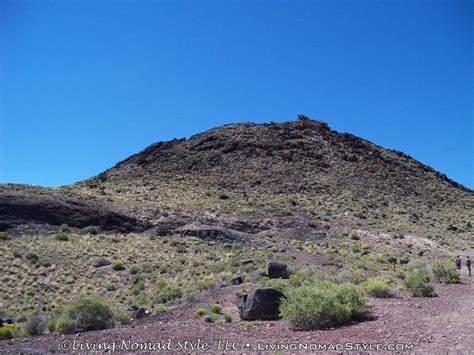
(237, 281)
(277, 270)
(207, 319)
(227, 246)
(46, 286)
(261, 303)
(100, 262)
(247, 262)
(139, 312)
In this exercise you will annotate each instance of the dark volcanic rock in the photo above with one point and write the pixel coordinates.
(46, 206)
(277, 270)
(237, 281)
(261, 303)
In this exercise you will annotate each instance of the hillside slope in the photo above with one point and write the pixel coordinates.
(277, 169)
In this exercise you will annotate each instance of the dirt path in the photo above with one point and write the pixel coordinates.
(430, 324)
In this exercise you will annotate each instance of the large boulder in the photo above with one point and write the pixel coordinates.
(261, 303)
(277, 270)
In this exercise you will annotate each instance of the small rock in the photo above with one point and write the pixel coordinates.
(237, 281)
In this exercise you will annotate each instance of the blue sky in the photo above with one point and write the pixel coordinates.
(85, 84)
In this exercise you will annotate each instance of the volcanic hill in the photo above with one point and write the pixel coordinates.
(253, 171)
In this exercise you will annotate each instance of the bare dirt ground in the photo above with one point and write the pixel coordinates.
(442, 324)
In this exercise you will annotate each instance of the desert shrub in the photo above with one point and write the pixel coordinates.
(90, 312)
(278, 284)
(51, 325)
(323, 305)
(417, 283)
(228, 318)
(181, 249)
(355, 237)
(160, 308)
(64, 228)
(215, 308)
(213, 317)
(354, 276)
(61, 236)
(16, 254)
(35, 325)
(6, 333)
(33, 257)
(90, 230)
(136, 270)
(4, 236)
(122, 317)
(169, 293)
(302, 277)
(201, 311)
(378, 287)
(118, 266)
(445, 273)
(65, 325)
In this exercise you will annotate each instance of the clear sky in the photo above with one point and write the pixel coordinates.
(85, 84)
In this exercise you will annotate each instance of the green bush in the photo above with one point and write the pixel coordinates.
(65, 325)
(122, 317)
(169, 293)
(323, 305)
(215, 308)
(201, 311)
(52, 325)
(90, 230)
(445, 273)
(378, 287)
(61, 236)
(6, 333)
(118, 266)
(64, 228)
(35, 325)
(33, 257)
(417, 283)
(4, 236)
(228, 318)
(278, 284)
(90, 312)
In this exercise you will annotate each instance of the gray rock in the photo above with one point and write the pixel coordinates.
(46, 286)
(261, 303)
(100, 262)
(277, 270)
(207, 319)
(227, 246)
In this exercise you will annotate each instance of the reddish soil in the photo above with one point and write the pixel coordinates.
(431, 324)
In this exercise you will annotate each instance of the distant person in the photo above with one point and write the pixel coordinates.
(468, 265)
(457, 262)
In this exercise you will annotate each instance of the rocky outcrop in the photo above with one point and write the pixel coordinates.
(21, 205)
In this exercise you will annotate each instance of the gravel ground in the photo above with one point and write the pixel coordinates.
(441, 324)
